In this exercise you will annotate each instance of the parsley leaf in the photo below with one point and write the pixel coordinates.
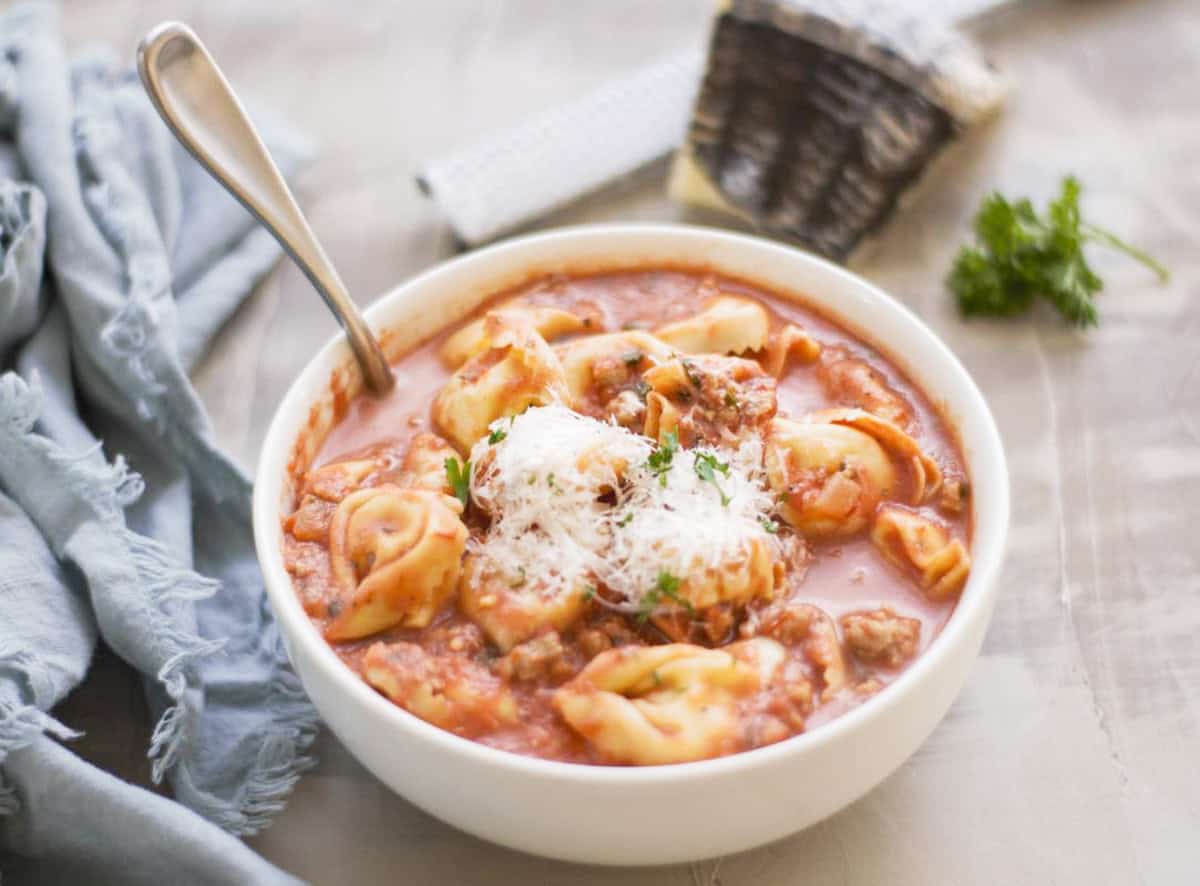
(1021, 256)
(659, 462)
(458, 474)
(769, 525)
(707, 468)
(497, 435)
(667, 585)
(626, 520)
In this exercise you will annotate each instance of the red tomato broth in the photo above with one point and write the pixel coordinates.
(843, 576)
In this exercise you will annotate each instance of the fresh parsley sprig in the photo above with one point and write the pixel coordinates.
(707, 468)
(458, 474)
(666, 586)
(660, 459)
(1021, 256)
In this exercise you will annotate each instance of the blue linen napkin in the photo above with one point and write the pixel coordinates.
(119, 516)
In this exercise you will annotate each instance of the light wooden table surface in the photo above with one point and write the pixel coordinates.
(1073, 754)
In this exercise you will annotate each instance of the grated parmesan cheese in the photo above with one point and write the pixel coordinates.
(542, 485)
(685, 527)
(573, 500)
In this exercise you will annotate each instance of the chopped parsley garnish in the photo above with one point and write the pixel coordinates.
(659, 462)
(552, 484)
(1021, 256)
(626, 520)
(458, 474)
(707, 468)
(666, 586)
(731, 400)
(689, 369)
(589, 591)
(497, 435)
(769, 525)
(633, 358)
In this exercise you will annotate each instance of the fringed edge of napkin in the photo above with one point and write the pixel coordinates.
(20, 725)
(280, 763)
(106, 489)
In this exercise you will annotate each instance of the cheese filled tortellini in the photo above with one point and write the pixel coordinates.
(792, 344)
(549, 322)
(511, 608)
(336, 480)
(737, 580)
(917, 544)
(603, 368)
(518, 370)
(853, 382)
(454, 693)
(830, 478)
(833, 468)
(810, 629)
(424, 465)
(395, 555)
(708, 400)
(925, 476)
(727, 325)
(667, 704)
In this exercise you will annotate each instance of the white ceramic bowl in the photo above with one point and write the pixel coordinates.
(658, 814)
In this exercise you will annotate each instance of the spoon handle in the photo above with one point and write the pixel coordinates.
(192, 95)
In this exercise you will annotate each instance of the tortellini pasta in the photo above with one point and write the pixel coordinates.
(925, 474)
(395, 554)
(830, 478)
(853, 382)
(792, 343)
(811, 629)
(599, 367)
(727, 325)
(708, 596)
(667, 704)
(916, 543)
(513, 608)
(833, 469)
(550, 322)
(737, 580)
(453, 693)
(336, 480)
(708, 399)
(424, 465)
(518, 370)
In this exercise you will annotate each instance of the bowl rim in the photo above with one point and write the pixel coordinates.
(987, 553)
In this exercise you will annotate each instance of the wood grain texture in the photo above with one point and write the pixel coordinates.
(1073, 754)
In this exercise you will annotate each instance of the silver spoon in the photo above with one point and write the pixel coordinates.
(192, 95)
